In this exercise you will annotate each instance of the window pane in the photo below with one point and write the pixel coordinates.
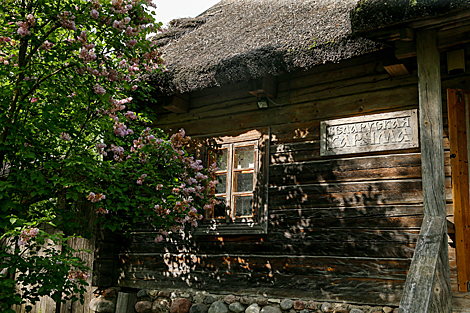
(244, 157)
(243, 181)
(243, 206)
(220, 210)
(220, 157)
(221, 187)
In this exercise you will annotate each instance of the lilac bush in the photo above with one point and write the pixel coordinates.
(71, 134)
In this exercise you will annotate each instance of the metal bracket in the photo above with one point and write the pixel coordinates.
(468, 287)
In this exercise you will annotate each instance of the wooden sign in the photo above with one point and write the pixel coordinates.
(377, 132)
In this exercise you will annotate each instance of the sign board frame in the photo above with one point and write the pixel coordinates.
(407, 120)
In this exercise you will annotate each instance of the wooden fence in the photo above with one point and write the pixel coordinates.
(87, 220)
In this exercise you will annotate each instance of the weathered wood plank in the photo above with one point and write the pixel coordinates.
(367, 291)
(236, 274)
(283, 221)
(297, 245)
(431, 126)
(337, 214)
(330, 85)
(347, 169)
(349, 194)
(397, 243)
(330, 72)
(427, 286)
(369, 102)
(126, 302)
(427, 281)
(180, 264)
(460, 187)
(383, 211)
(442, 291)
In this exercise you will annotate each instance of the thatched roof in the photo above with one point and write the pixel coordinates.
(374, 14)
(237, 40)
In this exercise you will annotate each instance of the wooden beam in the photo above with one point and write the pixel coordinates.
(405, 49)
(460, 185)
(427, 288)
(266, 86)
(396, 70)
(406, 34)
(445, 40)
(431, 125)
(126, 302)
(178, 104)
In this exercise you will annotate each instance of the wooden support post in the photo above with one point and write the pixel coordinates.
(126, 302)
(431, 125)
(427, 287)
(458, 127)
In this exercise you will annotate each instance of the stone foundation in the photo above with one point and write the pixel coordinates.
(170, 301)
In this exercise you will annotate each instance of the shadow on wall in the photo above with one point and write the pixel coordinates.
(341, 228)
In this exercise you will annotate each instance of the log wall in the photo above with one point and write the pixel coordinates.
(340, 228)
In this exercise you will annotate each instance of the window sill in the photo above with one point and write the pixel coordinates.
(212, 228)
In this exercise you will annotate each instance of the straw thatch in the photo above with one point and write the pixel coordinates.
(374, 14)
(237, 40)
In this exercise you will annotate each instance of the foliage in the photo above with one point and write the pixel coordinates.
(69, 131)
(42, 265)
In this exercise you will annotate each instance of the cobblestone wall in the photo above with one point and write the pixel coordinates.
(168, 301)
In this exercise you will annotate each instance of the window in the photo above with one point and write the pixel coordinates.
(242, 185)
(236, 177)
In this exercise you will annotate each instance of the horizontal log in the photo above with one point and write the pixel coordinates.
(324, 242)
(240, 101)
(313, 248)
(365, 291)
(283, 221)
(370, 102)
(340, 213)
(326, 85)
(346, 169)
(305, 150)
(180, 264)
(348, 69)
(337, 213)
(350, 194)
(326, 286)
(372, 69)
(374, 167)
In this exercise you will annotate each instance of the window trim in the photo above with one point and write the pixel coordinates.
(258, 224)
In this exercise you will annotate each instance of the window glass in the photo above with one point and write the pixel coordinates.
(243, 205)
(244, 157)
(243, 181)
(221, 187)
(220, 156)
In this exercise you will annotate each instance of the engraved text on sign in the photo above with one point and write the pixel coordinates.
(377, 132)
